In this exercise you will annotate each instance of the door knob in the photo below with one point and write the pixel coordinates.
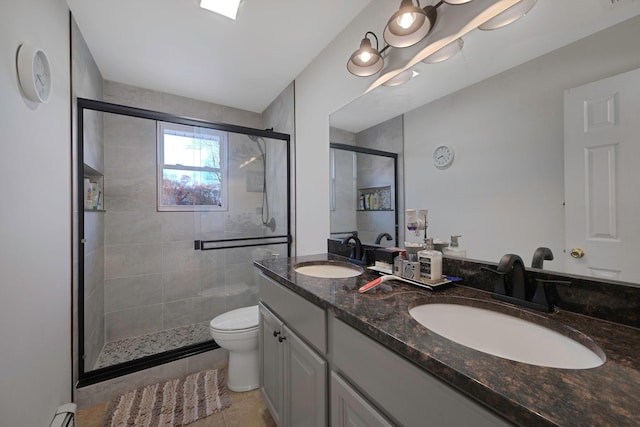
(576, 253)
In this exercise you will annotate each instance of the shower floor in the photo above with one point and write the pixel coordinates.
(128, 349)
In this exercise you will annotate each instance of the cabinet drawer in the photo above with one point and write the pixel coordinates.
(305, 318)
(405, 392)
(349, 409)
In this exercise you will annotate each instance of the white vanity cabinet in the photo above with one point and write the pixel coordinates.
(369, 384)
(272, 363)
(404, 392)
(293, 375)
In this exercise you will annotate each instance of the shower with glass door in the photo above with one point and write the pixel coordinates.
(185, 208)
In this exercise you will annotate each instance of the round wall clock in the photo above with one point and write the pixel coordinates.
(443, 156)
(34, 73)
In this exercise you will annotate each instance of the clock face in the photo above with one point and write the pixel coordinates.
(34, 73)
(41, 75)
(443, 156)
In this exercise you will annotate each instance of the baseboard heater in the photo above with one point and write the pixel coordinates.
(65, 416)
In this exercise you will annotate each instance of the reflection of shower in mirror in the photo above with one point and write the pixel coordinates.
(269, 223)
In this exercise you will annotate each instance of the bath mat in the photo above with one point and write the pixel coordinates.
(173, 403)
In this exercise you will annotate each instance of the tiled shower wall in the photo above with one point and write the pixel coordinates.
(154, 279)
(87, 83)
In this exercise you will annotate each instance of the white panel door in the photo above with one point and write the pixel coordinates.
(602, 178)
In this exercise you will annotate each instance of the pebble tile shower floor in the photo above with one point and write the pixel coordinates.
(133, 348)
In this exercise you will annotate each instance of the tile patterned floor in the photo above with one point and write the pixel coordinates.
(145, 345)
(247, 409)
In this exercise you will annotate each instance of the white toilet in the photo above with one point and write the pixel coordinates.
(237, 332)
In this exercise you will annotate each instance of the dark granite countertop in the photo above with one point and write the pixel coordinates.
(524, 394)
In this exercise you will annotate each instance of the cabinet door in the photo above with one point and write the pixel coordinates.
(305, 384)
(349, 409)
(272, 363)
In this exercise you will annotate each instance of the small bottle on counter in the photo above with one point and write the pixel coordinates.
(430, 263)
(398, 264)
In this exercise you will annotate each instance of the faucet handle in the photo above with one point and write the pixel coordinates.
(542, 294)
(500, 287)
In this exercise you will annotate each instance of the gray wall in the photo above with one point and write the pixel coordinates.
(35, 220)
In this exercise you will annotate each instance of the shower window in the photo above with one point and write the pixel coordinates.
(192, 168)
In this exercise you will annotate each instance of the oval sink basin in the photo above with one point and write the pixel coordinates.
(328, 269)
(505, 336)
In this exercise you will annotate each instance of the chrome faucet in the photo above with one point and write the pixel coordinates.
(356, 251)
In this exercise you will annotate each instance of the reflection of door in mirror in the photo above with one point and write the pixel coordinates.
(363, 194)
(601, 178)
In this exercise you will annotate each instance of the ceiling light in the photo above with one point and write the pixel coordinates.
(445, 53)
(228, 8)
(366, 61)
(509, 16)
(408, 25)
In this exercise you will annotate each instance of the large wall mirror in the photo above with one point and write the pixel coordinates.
(508, 189)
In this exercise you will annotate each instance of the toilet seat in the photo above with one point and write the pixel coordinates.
(235, 321)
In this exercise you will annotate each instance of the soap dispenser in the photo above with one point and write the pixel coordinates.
(454, 248)
(430, 263)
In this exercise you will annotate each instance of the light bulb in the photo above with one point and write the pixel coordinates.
(406, 20)
(365, 56)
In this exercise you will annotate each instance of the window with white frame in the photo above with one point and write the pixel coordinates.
(192, 168)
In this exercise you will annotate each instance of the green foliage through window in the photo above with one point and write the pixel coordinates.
(192, 168)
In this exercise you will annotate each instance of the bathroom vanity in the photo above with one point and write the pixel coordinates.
(338, 357)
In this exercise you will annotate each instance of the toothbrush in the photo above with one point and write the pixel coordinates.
(375, 282)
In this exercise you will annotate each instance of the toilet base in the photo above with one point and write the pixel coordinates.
(243, 372)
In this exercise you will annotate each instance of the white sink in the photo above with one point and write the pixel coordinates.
(328, 269)
(505, 336)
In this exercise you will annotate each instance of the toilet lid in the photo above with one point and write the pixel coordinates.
(241, 318)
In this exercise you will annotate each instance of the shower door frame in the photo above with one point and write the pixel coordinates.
(102, 374)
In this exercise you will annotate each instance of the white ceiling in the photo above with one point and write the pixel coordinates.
(174, 46)
(550, 25)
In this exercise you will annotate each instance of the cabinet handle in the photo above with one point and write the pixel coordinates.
(280, 339)
(276, 333)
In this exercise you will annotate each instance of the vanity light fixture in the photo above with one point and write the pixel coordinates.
(228, 8)
(431, 35)
(409, 24)
(366, 61)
